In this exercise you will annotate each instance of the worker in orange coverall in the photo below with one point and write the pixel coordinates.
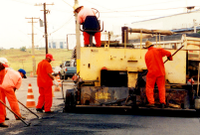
(11, 81)
(45, 82)
(156, 73)
(3, 64)
(87, 17)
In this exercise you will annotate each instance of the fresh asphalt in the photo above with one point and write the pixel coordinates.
(98, 122)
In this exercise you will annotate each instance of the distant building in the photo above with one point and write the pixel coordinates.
(174, 22)
(57, 44)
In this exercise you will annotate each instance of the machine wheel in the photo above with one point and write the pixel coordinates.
(198, 112)
(66, 77)
(70, 101)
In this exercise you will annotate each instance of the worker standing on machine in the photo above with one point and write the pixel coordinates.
(156, 73)
(87, 17)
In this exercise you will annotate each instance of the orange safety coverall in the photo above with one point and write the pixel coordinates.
(44, 83)
(81, 17)
(2, 107)
(2, 115)
(12, 80)
(156, 73)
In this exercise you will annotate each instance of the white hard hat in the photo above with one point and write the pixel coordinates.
(4, 61)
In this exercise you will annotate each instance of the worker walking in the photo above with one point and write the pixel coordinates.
(87, 18)
(156, 73)
(45, 82)
(11, 82)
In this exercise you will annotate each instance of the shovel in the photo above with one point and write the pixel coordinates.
(47, 117)
(30, 110)
(27, 124)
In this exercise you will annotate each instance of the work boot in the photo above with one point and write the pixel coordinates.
(162, 105)
(23, 118)
(150, 105)
(39, 110)
(3, 125)
(86, 45)
(43, 107)
(6, 118)
(49, 112)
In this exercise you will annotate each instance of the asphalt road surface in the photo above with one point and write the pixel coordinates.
(84, 122)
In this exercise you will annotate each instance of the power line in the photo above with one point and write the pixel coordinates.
(131, 6)
(63, 25)
(150, 4)
(145, 10)
(67, 3)
(98, 5)
(23, 2)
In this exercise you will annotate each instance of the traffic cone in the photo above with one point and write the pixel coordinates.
(57, 87)
(30, 103)
(31, 74)
(58, 79)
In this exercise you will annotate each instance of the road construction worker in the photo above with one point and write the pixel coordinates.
(45, 82)
(3, 64)
(156, 73)
(11, 82)
(87, 18)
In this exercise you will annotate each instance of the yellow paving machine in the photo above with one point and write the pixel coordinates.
(113, 75)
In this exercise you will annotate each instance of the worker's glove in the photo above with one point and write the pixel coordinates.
(190, 81)
(14, 89)
(55, 82)
(170, 58)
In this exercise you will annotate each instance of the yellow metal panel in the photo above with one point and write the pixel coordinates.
(132, 79)
(115, 59)
(193, 55)
(130, 60)
(176, 69)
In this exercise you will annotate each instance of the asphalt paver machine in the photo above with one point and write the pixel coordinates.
(113, 75)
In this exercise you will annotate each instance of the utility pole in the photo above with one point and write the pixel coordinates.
(33, 52)
(78, 45)
(195, 25)
(45, 23)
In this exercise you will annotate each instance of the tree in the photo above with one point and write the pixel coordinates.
(23, 49)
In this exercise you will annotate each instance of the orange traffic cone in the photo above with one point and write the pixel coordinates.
(31, 74)
(30, 97)
(57, 87)
(58, 79)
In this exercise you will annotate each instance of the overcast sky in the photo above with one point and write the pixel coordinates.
(15, 31)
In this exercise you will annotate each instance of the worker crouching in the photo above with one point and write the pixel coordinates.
(11, 80)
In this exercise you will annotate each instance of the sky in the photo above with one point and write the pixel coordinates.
(16, 29)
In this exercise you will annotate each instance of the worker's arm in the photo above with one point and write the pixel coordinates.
(18, 82)
(54, 80)
(51, 76)
(166, 53)
(170, 57)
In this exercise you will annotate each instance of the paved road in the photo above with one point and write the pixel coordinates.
(143, 122)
